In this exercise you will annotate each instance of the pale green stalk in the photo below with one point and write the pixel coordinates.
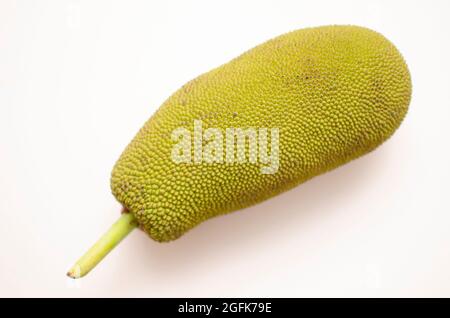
(116, 233)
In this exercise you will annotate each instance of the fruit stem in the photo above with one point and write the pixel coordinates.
(116, 233)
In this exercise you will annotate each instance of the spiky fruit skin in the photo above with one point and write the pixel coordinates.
(334, 92)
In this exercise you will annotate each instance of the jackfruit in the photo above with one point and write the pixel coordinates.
(330, 94)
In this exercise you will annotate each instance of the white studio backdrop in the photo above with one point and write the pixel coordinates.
(79, 78)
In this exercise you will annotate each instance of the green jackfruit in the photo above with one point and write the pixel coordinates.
(330, 93)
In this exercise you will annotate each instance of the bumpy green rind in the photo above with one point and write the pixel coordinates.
(334, 92)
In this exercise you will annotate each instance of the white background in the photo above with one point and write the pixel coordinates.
(79, 78)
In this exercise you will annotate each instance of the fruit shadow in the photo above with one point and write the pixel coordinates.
(248, 232)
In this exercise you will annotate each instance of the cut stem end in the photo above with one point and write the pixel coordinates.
(116, 233)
